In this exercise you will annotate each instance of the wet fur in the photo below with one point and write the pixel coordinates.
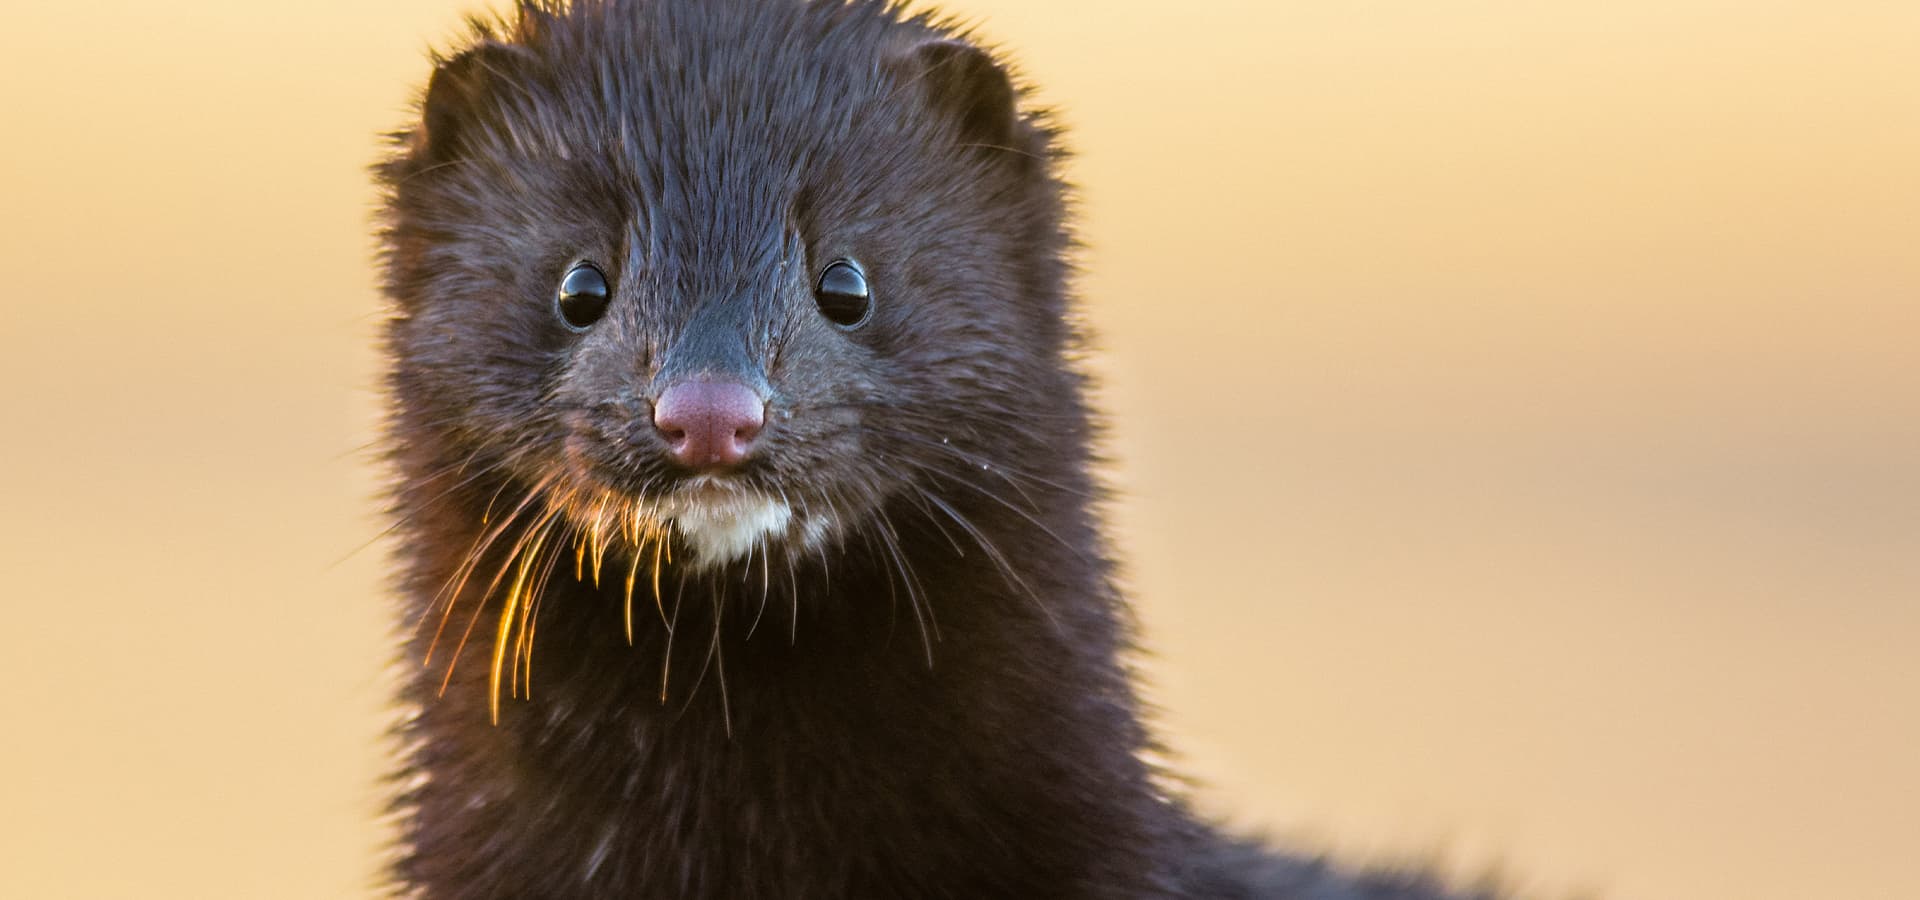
(925, 699)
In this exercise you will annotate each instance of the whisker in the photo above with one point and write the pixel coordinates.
(662, 544)
(599, 543)
(793, 590)
(948, 477)
(633, 572)
(457, 584)
(506, 622)
(538, 529)
(523, 639)
(666, 658)
(720, 669)
(707, 662)
(997, 467)
(760, 546)
(914, 599)
(987, 546)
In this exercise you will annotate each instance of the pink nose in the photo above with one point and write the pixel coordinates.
(709, 423)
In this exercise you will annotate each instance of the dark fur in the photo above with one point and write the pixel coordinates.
(896, 715)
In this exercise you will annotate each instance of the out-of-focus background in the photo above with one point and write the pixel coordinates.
(1516, 408)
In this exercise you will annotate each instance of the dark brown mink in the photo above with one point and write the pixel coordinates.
(732, 379)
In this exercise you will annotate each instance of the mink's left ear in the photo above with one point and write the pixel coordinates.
(463, 99)
(965, 83)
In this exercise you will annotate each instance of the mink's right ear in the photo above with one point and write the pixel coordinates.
(462, 99)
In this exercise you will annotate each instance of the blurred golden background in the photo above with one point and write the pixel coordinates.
(1516, 408)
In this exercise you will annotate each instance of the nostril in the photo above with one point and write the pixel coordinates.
(709, 423)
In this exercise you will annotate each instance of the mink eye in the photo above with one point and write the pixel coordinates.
(843, 294)
(582, 298)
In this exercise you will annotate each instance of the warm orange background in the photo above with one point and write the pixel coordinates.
(1517, 408)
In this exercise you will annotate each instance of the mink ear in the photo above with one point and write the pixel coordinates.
(460, 99)
(963, 81)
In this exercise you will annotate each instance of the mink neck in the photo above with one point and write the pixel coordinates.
(800, 722)
(918, 621)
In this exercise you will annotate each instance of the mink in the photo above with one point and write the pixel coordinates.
(748, 536)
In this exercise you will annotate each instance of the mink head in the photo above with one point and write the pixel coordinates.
(736, 272)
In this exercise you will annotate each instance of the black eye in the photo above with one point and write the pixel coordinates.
(843, 294)
(583, 296)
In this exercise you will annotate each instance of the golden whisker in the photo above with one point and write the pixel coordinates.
(599, 546)
(529, 620)
(536, 589)
(523, 647)
(520, 635)
(527, 566)
(450, 591)
(458, 583)
(660, 544)
(506, 619)
(599, 542)
(538, 529)
(533, 625)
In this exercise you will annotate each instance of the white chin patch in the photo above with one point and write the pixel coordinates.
(722, 525)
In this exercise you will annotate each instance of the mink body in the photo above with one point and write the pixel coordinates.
(885, 655)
